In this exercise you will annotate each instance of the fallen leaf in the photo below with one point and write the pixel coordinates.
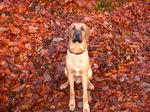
(98, 79)
(2, 7)
(32, 29)
(47, 76)
(137, 77)
(10, 60)
(57, 22)
(57, 39)
(19, 88)
(44, 52)
(33, 42)
(123, 70)
(39, 48)
(123, 77)
(80, 104)
(2, 29)
(51, 50)
(89, 96)
(108, 74)
(25, 103)
(28, 46)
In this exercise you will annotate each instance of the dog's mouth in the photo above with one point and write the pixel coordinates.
(77, 37)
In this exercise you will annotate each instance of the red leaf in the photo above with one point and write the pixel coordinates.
(80, 104)
(19, 88)
(2, 29)
(47, 76)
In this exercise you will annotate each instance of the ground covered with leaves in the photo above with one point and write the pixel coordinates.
(33, 47)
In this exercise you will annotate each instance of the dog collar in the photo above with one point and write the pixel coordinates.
(76, 53)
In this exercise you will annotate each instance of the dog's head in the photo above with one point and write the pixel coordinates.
(78, 35)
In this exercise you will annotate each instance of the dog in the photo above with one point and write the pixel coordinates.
(78, 68)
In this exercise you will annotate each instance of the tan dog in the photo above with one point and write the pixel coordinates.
(77, 63)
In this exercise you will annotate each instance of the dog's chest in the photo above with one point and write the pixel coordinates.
(77, 63)
(77, 76)
(76, 69)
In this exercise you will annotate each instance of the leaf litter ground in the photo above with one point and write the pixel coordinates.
(33, 47)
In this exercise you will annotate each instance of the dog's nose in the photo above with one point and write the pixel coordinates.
(77, 33)
(77, 37)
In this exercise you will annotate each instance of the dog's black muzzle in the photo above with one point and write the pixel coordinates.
(77, 37)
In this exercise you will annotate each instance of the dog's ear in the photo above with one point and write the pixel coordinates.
(68, 32)
(88, 31)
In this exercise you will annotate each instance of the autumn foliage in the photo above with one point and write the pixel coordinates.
(33, 47)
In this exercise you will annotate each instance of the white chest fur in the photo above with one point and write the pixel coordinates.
(77, 70)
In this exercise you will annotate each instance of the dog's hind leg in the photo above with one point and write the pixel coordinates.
(64, 85)
(90, 85)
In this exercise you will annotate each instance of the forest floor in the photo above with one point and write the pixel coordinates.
(33, 47)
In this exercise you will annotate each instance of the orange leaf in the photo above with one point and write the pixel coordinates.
(124, 70)
(19, 88)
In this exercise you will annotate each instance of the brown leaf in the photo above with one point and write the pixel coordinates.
(39, 48)
(2, 6)
(89, 96)
(47, 75)
(3, 105)
(80, 104)
(57, 22)
(52, 107)
(44, 52)
(123, 70)
(29, 66)
(25, 103)
(123, 77)
(60, 111)
(108, 74)
(95, 66)
(28, 46)
(19, 88)
(137, 77)
(98, 79)
(32, 29)
(2, 29)
(60, 68)
(57, 39)
(51, 49)
(108, 48)
(10, 60)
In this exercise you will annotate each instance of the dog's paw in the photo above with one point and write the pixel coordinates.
(91, 86)
(63, 86)
(86, 108)
(72, 105)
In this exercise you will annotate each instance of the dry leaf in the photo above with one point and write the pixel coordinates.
(44, 52)
(47, 76)
(98, 79)
(80, 104)
(2, 29)
(32, 39)
(19, 88)
(57, 39)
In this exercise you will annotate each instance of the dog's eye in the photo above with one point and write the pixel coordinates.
(82, 28)
(73, 28)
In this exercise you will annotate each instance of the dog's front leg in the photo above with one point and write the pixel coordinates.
(85, 93)
(72, 93)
